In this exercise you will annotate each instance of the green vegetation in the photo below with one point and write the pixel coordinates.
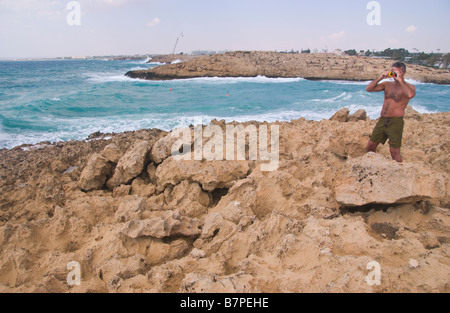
(438, 60)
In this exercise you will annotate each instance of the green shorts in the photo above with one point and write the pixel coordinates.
(389, 127)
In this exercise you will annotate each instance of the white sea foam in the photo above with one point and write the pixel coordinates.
(139, 68)
(421, 109)
(365, 83)
(342, 96)
(416, 82)
(156, 63)
(410, 81)
(107, 77)
(347, 82)
(80, 129)
(235, 80)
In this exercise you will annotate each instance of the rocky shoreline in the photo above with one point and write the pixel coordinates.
(138, 220)
(286, 65)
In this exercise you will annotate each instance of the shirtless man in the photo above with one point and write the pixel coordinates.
(396, 97)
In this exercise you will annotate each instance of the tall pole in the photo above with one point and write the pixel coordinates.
(178, 38)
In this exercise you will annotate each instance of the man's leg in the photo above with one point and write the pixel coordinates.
(371, 146)
(378, 136)
(395, 134)
(395, 154)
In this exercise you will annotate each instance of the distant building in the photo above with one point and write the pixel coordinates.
(441, 65)
(338, 51)
(203, 52)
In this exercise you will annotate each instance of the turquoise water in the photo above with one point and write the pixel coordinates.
(70, 99)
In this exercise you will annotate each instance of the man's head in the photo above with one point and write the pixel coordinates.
(399, 66)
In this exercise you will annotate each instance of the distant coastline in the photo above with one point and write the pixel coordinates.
(324, 66)
(106, 57)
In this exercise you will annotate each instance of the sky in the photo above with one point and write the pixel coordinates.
(55, 28)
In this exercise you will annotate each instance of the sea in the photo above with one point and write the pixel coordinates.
(61, 100)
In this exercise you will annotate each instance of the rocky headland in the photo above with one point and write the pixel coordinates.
(138, 220)
(169, 58)
(287, 65)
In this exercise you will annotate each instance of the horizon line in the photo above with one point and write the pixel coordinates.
(80, 57)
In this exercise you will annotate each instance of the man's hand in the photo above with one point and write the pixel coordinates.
(384, 75)
(400, 76)
(375, 86)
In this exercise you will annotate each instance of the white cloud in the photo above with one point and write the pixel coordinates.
(337, 36)
(393, 41)
(411, 29)
(154, 22)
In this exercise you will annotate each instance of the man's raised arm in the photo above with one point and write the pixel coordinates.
(375, 86)
(408, 89)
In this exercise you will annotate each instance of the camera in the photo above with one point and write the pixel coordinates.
(392, 74)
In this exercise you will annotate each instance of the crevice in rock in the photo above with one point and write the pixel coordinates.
(367, 207)
(217, 194)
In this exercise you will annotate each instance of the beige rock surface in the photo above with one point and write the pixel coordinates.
(95, 173)
(341, 115)
(167, 224)
(374, 179)
(169, 58)
(312, 225)
(276, 64)
(130, 165)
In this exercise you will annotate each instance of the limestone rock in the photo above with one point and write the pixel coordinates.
(413, 264)
(374, 179)
(276, 64)
(413, 114)
(345, 145)
(114, 270)
(129, 208)
(112, 153)
(151, 172)
(359, 115)
(95, 173)
(163, 148)
(341, 115)
(130, 165)
(212, 223)
(236, 283)
(197, 254)
(210, 174)
(213, 226)
(188, 198)
(121, 191)
(140, 188)
(168, 224)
